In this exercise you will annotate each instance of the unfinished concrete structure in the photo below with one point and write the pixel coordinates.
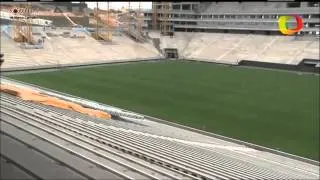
(230, 33)
(233, 17)
(59, 50)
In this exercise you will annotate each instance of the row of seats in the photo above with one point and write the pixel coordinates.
(17, 57)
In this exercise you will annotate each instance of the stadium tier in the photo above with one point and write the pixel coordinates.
(223, 32)
(60, 51)
(80, 146)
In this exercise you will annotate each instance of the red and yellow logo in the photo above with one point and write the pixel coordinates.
(283, 24)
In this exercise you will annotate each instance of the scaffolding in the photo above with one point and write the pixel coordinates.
(28, 23)
(129, 17)
(97, 20)
(133, 24)
(154, 16)
(23, 25)
(99, 34)
(166, 25)
(109, 27)
(139, 20)
(161, 17)
(17, 26)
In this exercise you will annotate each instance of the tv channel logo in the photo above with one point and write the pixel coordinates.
(284, 24)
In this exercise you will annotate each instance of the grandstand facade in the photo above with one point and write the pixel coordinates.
(233, 17)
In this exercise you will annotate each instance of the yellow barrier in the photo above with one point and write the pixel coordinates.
(35, 96)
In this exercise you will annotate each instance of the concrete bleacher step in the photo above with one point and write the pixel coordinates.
(58, 50)
(278, 49)
(226, 48)
(188, 157)
(14, 55)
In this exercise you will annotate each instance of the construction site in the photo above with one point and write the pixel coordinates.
(85, 91)
(61, 37)
(129, 36)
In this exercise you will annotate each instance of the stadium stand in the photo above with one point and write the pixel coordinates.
(17, 56)
(223, 32)
(229, 32)
(242, 17)
(59, 50)
(230, 48)
(80, 146)
(44, 142)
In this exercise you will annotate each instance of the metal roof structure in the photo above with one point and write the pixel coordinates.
(43, 142)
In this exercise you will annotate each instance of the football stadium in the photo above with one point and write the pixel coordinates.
(180, 90)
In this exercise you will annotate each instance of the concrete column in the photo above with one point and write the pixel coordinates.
(304, 4)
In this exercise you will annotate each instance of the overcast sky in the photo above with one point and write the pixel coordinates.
(119, 5)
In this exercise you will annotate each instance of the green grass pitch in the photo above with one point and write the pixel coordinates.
(271, 108)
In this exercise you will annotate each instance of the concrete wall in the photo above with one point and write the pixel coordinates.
(300, 67)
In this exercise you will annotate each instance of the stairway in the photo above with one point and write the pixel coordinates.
(156, 43)
(134, 34)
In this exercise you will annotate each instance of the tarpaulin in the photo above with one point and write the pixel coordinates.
(35, 96)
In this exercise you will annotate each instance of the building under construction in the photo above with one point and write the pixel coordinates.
(47, 134)
(161, 17)
(233, 17)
